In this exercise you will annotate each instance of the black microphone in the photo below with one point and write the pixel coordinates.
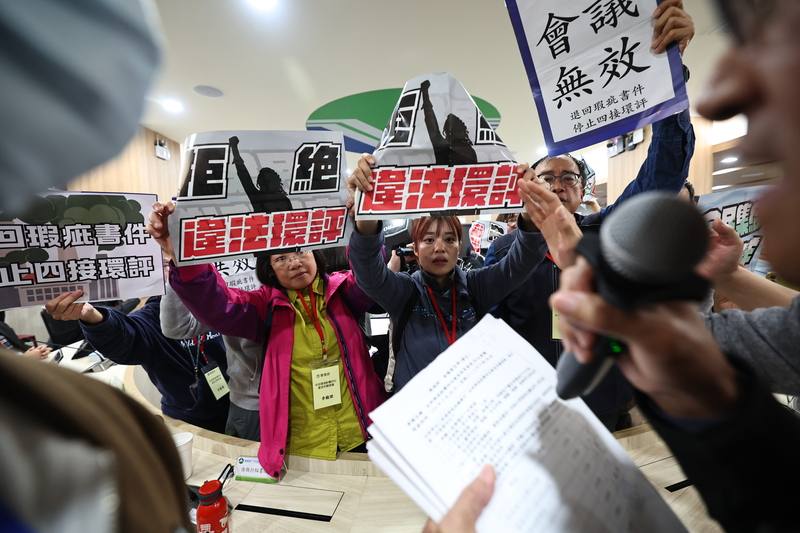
(646, 252)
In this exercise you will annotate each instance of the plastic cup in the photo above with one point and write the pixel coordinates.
(183, 441)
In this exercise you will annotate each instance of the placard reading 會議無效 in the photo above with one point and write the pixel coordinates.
(592, 71)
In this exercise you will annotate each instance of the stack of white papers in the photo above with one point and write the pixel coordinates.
(490, 399)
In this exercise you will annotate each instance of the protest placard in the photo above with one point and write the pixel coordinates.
(592, 71)
(483, 232)
(239, 273)
(247, 192)
(438, 154)
(67, 241)
(735, 208)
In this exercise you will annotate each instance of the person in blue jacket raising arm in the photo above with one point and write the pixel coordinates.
(438, 303)
(177, 368)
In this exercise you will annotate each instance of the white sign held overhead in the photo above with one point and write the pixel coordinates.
(592, 71)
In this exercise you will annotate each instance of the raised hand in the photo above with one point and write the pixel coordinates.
(158, 227)
(361, 179)
(554, 221)
(64, 307)
(724, 252)
(671, 24)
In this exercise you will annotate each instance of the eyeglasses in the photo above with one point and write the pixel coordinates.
(747, 18)
(283, 260)
(568, 179)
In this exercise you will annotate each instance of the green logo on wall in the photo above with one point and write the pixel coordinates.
(362, 117)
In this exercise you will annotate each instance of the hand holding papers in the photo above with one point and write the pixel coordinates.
(483, 401)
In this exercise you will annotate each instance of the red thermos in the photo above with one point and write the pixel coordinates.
(212, 513)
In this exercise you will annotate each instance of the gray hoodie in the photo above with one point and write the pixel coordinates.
(768, 340)
(244, 356)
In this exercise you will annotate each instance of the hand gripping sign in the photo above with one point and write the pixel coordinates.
(248, 192)
(438, 154)
(736, 208)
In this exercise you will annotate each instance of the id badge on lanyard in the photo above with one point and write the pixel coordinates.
(211, 372)
(325, 382)
(216, 381)
(326, 385)
(554, 319)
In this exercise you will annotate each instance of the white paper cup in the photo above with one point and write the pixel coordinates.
(183, 441)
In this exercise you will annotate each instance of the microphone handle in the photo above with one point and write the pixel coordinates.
(578, 379)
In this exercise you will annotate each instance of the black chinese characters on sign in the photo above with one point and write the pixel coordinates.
(316, 168)
(601, 15)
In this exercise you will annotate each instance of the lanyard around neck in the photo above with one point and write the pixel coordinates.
(200, 351)
(312, 312)
(451, 335)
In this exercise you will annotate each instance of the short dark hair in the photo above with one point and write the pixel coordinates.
(579, 163)
(266, 274)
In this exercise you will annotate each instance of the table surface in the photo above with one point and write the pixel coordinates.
(362, 499)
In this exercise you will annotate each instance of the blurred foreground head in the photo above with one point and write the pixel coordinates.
(759, 76)
(73, 76)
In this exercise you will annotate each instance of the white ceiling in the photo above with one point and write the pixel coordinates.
(276, 67)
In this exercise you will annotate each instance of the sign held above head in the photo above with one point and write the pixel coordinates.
(249, 192)
(439, 154)
(592, 71)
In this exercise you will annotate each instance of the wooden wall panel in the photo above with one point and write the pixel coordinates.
(136, 169)
(702, 166)
(623, 168)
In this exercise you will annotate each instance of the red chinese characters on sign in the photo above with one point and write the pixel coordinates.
(204, 236)
(220, 236)
(326, 226)
(247, 233)
(430, 189)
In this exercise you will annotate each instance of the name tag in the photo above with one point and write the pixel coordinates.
(556, 329)
(249, 469)
(326, 386)
(216, 381)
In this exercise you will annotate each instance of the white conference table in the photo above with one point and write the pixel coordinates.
(353, 495)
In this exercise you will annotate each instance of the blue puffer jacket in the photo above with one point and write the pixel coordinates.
(477, 291)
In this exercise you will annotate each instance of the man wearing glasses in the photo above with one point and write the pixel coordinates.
(667, 165)
(735, 443)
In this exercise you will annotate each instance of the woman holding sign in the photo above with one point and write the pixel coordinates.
(318, 384)
(433, 307)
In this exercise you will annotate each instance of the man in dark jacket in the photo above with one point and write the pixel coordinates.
(667, 165)
(732, 439)
(176, 367)
(527, 309)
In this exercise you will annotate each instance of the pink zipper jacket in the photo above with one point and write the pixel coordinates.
(244, 314)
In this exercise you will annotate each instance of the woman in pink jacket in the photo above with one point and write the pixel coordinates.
(318, 384)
